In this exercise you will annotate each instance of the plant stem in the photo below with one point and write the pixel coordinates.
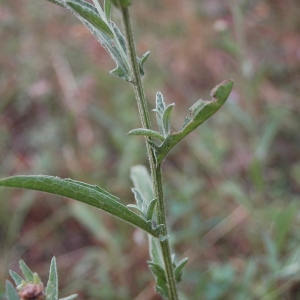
(156, 173)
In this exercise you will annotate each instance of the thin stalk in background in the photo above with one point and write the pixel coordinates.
(156, 173)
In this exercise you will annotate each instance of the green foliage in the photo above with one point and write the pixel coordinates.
(89, 194)
(31, 286)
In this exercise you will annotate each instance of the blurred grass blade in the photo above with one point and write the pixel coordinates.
(71, 297)
(81, 192)
(28, 274)
(90, 16)
(11, 293)
(52, 285)
(16, 277)
(199, 113)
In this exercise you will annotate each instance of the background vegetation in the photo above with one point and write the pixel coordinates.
(233, 186)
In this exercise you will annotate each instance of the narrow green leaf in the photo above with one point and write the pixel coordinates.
(16, 277)
(199, 113)
(141, 62)
(167, 118)
(150, 209)
(90, 16)
(94, 187)
(52, 285)
(11, 293)
(81, 192)
(28, 274)
(71, 297)
(107, 9)
(119, 72)
(146, 132)
(160, 278)
(179, 267)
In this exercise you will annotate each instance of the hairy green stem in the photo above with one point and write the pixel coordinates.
(155, 168)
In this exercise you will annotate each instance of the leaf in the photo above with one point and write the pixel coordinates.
(71, 297)
(11, 293)
(142, 181)
(160, 108)
(179, 267)
(81, 192)
(166, 119)
(16, 277)
(199, 113)
(52, 285)
(90, 16)
(150, 209)
(160, 278)
(146, 132)
(28, 274)
(94, 187)
(107, 9)
(135, 208)
(141, 62)
(139, 200)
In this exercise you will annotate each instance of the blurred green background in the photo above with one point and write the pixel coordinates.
(232, 187)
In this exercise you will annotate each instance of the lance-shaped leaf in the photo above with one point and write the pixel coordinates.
(167, 118)
(146, 132)
(199, 112)
(92, 17)
(160, 278)
(16, 277)
(11, 293)
(159, 109)
(179, 267)
(28, 274)
(81, 192)
(107, 9)
(52, 284)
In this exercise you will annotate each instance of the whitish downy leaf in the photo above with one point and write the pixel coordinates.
(139, 200)
(159, 109)
(11, 293)
(82, 192)
(16, 277)
(199, 113)
(52, 285)
(28, 274)
(160, 279)
(179, 267)
(167, 118)
(146, 132)
(92, 17)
